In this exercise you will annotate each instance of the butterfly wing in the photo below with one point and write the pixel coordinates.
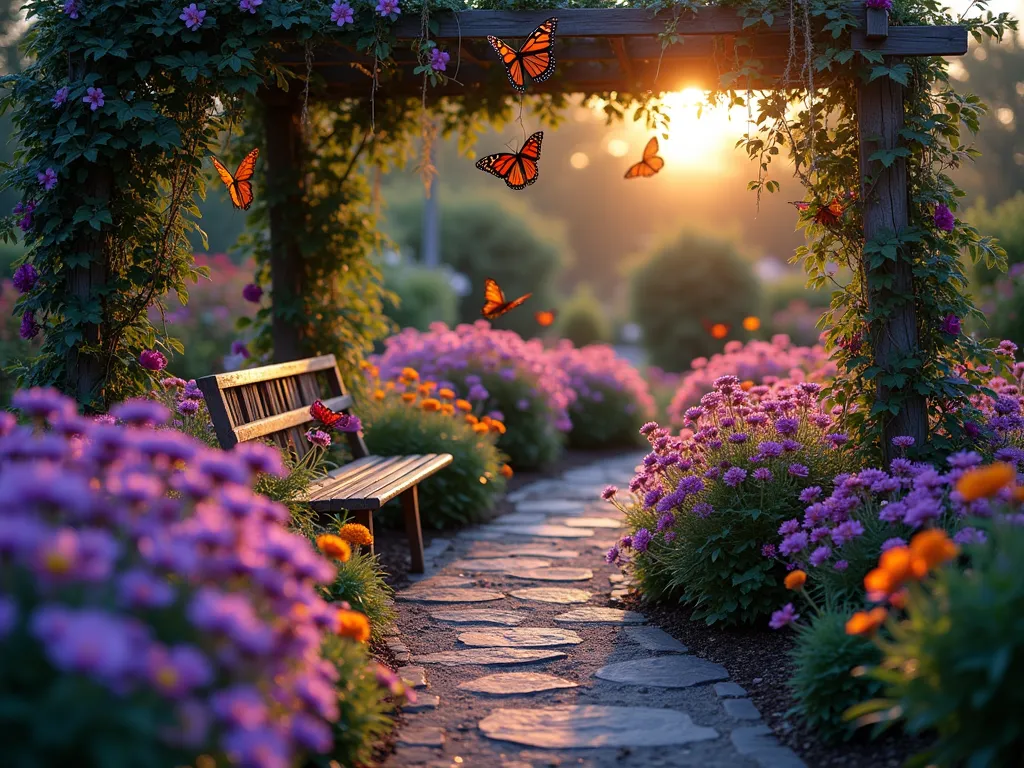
(494, 300)
(500, 164)
(650, 164)
(507, 306)
(537, 54)
(512, 61)
(247, 167)
(544, 317)
(529, 160)
(239, 186)
(324, 415)
(516, 170)
(830, 214)
(224, 173)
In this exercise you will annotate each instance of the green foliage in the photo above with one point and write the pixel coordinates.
(685, 284)
(361, 583)
(461, 493)
(583, 319)
(822, 686)
(531, 440)
(423, 296)
(1005, 222)
(955, 665)
(490, 236)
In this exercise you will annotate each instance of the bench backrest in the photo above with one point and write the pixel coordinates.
(272, 402)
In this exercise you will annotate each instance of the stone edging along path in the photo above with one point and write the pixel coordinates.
(520, 660)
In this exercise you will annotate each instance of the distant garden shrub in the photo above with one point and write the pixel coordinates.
(501, 375)
(705, 509)
(685, 285)
(584, 319)
(410, 415)
(157, 609)
(425, 296)
(612, 398)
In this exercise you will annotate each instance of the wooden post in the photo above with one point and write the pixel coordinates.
(885, 199)
(282, 119)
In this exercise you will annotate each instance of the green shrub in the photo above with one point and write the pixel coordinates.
(955, 665)
(1005, 222)
(461, 493)
(684, 285)
(584, 320)
(361, 583)
(424, 296)
(492, 236)
(822, 685)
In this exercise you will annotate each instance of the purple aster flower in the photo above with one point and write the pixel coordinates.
(943, 218)
(140, 589)
(841, 565)
(788, 527)
(94, 98)
(626, 542)
(239, 348)
(810, 495)
(649, 427)
(970, 535)
(770, 449)
(188, 407)
(152, 360)
(59, 97)
(252, 293)
(478, 392)
(964, 459)
(249, 5)
(950, 325)
(781, 618)
(701, 509)
(763, 474)
(47, 179)
(388, 8)
(319, 438)
(798, 470)
(847, 531)
(29, 327)
(522, 404)
(241, 706)
(883, 5)
(787, 425)
(738, 437)
(734, 476)
(837, 439)
(311, 733)
(259, 748)
(896, 541)
(439, 63)
(140, 412)
(341, 13)
(768, 550)
(609, 492)
(653, 496)
(71, 8)
(820, 555)
(193, 17)
(177, 671)
(25, 278)
(192, 390)
(612, 555)
(642, 539)
(670, 537)
(665, 522)
(903, 441)
(795, 542)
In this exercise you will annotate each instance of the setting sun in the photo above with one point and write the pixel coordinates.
(697, 142)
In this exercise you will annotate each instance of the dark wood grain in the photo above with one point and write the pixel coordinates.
(915, 41)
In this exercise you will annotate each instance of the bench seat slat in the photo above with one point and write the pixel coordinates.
(287, 420)
(378, 480)
(349, 475)
(378, 492)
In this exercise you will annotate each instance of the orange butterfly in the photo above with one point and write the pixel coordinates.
(494, 300)
(827, 215)
(536, 56)
(716, 330)
(239, 186)
(545, 317)
(651, 163)
(517, 169)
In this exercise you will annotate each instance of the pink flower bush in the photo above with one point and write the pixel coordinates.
(760, 362)
(612, 398)
(516, 381)
(141, 571)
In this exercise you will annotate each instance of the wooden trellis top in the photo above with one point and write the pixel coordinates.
(618, 49)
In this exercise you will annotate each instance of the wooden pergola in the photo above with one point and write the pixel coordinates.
(619, 50)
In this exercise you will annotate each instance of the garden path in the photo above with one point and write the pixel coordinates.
(521, 660)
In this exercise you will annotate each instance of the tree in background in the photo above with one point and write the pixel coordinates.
(687, 284)
(424, 296)
(583, 319)
(484, 236)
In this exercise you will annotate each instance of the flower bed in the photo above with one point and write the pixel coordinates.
(500, 374)
(157, 609)
(612, 398)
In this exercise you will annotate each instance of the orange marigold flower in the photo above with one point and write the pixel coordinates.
(471, 419)
(390, 386)
(933, 547)
(983, 482)
(747, 385)
(485, 419)
(354, 533)
(411, 374)
(464, 405)
(497, 426)
(1018, 493)
(506, 471)
(427, 387)
(445, 394)
(334, 547)
(447, 409)
(480, 428)
(365, 365)
(431, 404)
(879, 584)
(374, 371)
(795, 579)
(898, 563)
(354, 625)
(866, 623)
(408, 397)
(378, 394)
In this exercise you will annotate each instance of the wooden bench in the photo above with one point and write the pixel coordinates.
(272, 403)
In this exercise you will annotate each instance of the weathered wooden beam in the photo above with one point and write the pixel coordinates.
(876, 23)
(890, 284)
(915, 41)
(618, 46)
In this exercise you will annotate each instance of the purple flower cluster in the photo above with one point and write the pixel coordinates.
(113, 531)
(469, 355)
(25, 211)
(760, 362)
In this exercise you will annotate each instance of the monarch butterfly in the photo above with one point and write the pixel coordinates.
(329, 418)
(239, 186)
(494, 300)
(544, 317)
(826, 215)
(517, 169)
(716, 330)
(536, 56)
(650, 164)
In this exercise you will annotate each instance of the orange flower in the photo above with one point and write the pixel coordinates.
(408, 397)
(334, 547)
(430, 405)
(427, 387)
(365, 365)
(464, 405)
(374, 371)
(795, 579)
(506, 471)
(1018, 493)
(447, 409)
(751, 323)
(898, 563)
(983, 482)
(480, 428)
(378, 394)
(933, 547)
(354, 625)
(354, 533)
(862, 623)
(390, 386)
(485, 419)
(879, 584)
(410, 374)
(747, 385)
(497, 426)
(471, 419)
(445, 394)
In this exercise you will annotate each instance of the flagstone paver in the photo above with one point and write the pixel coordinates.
(592, 677)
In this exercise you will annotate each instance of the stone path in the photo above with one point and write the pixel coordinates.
(520, 658)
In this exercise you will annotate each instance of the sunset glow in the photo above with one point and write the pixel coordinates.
(698, 142)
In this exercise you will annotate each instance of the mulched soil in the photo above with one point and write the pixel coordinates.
(758, 660)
